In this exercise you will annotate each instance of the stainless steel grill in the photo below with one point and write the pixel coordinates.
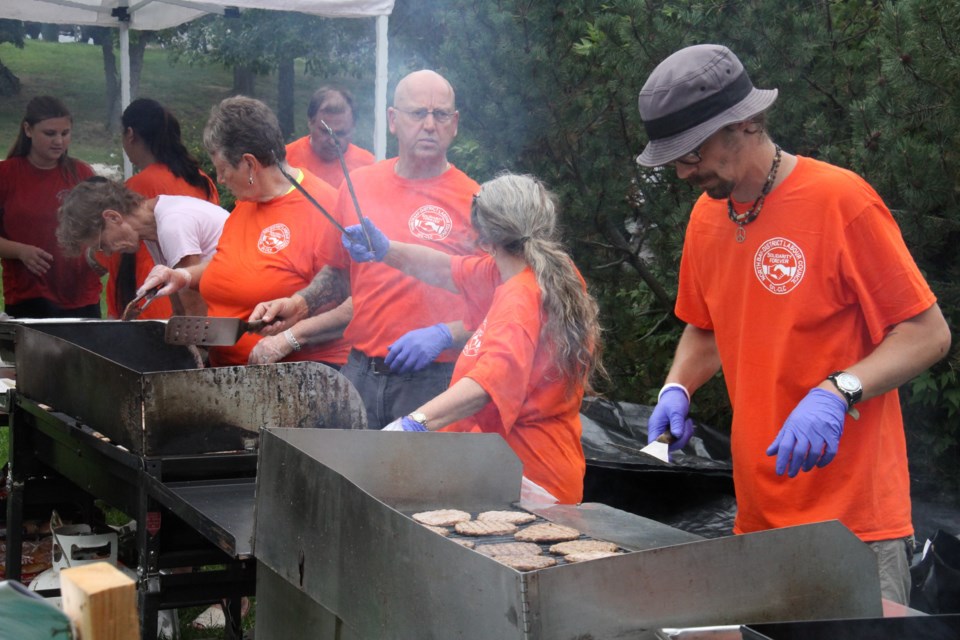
(123, 380)
(337, 551)
(112, 410)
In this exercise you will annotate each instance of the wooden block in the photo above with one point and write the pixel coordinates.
(100, 601)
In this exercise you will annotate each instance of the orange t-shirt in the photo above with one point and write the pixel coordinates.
(530, 405)
(300, 154)
(271, 250)
(155, 180)
(434, 213)
(821, 277)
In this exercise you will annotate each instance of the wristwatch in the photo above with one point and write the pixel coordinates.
(848, 385)
(419, 416)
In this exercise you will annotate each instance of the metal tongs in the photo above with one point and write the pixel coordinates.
(306, 194)
(135, 308)
(346, 177)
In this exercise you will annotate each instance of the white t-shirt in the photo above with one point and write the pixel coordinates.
(185, 227)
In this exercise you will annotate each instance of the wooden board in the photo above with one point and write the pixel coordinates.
(100, 601)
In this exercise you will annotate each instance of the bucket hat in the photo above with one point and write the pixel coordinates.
(690, 96)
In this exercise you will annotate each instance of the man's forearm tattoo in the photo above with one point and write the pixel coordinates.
(327, 290)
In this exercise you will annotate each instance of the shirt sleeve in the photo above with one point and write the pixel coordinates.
(181, 238)
(691, 306)
(477, 278)
(878, 267)
(505, 359)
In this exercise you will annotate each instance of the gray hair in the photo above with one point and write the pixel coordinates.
(240, 125)
(80, 216)
(519, 214)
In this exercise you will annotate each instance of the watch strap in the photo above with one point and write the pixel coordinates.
(852, 397)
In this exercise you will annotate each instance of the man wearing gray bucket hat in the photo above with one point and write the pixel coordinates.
(795, 281)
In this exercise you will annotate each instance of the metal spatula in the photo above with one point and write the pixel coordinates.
(207, 331)
(660, 448)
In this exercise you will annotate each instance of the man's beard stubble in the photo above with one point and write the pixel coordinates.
(715, 187)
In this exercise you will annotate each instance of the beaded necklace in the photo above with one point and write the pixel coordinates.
(748, 216)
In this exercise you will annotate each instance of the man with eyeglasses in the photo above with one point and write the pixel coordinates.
(405, 334)
(317, 151)
(795, 281)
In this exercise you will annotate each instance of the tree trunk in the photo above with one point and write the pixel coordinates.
(285, 79)
(103, 36)
(243, 81)
(112, 78)
(9, 83)
(138, 47)
(50, 32)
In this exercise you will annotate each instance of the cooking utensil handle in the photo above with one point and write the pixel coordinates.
(346, 176)
(253, 327)
(666, 437)
(308, 196)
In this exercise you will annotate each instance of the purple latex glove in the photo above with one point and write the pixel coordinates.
(671, 412)
(811, 435)
(406, 423)
(355, 242)
(416, 349)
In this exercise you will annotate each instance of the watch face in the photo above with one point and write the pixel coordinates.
(848, 382)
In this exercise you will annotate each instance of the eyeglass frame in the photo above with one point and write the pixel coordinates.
(684, 158)
(440, 116)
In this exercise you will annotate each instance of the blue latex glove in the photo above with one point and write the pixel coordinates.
(811, 435)
(355, 242)
(671, 412)
(418, 348)
(406, 423)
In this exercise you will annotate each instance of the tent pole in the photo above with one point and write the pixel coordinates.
(125, 84)
(380, 95)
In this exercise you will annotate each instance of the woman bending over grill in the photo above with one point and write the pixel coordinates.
(152, 140)
(536, 340)
(178, 231)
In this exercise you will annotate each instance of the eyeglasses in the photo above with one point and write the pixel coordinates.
(342, 133)
(439, 116)
(100, 238)
(691, 158)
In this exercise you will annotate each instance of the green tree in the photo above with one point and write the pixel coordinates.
(259, 41)
(909, 135)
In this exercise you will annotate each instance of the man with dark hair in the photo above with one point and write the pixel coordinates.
(317, 151)
(795, 281)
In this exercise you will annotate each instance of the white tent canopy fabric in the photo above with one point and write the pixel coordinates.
(163, 14)
(150, 15)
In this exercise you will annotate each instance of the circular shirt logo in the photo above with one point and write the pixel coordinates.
(779, 265)
(472, 348)
(274, 238)
(430, 222)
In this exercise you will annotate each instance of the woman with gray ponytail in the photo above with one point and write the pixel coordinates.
(536, 341)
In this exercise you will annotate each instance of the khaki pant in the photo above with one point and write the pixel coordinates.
(893, 560)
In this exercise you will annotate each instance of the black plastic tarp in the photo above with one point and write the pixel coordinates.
(693, 493)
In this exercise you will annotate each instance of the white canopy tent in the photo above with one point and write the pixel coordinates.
(150, 15)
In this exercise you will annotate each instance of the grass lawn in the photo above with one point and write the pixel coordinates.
(74, 73)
